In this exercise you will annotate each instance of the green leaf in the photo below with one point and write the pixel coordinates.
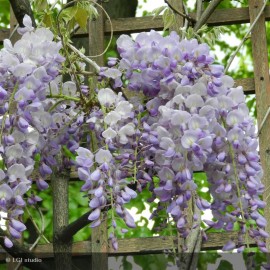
(37, 157)
(41, 5)
(68, 14)
(190, 33)
(92, 11)
(68, 153)
(225, 265)
(168, 19)
(2, 165)
(157, 11)
(81, 17)
(47, 19)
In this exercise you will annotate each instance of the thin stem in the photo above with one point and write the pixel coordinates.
(8, 111)
(238, 189)
(264, 120)
(245, 37)
(179, 12)
(64, 97)
(85, 58)
(136, 151)
(42, 224)
(36, 226)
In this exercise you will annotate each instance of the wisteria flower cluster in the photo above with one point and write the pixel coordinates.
(193, 120)
(33, 127)
(185, 116)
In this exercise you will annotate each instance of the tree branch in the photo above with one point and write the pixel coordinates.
(179, 12)
(20, 8)
(206, 14)
(67, 233)
(20, 251)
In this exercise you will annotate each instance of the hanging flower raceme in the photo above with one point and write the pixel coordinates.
(33, 129)
(194, 120)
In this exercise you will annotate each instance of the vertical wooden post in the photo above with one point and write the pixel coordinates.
(178, 5)
(262, 89)
(62, 250)
(99, 236)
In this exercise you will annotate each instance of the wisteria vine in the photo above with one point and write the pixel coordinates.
(185, 116)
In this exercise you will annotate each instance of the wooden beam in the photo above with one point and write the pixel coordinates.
(219, 17)
(247, 84)
(133, 246)
(226, 16)
(132, 25)
(262, 89)
(99, 235)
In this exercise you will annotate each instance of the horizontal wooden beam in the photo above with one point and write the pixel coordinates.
(227, 16)
(247, 84)
(133, 246)
(219, 17)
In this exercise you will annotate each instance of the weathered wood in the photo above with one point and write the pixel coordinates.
(96, 39)
(61, 249)
(179, 20)
(132, 25)
(219, 17)
(99, 235)
(262, 89)
(247, 84)
(132, 246)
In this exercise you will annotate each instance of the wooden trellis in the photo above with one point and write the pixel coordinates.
(259, 85)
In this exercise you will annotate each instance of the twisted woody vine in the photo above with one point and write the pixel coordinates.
(185, 116)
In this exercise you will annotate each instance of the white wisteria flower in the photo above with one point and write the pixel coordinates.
(124, 109)
(103, 156)
(106, 97)
(16, 171)
(14, 151)
(127, 130)
(112, 118)
(109, 133)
